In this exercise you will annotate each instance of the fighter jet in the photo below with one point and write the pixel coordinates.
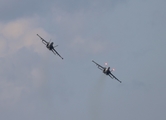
(50, 46)
(106, 71)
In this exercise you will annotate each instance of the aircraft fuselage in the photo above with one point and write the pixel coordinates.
(50, 46)
(106, 71)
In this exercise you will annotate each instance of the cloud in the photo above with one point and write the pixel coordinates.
(80, 30)
(10, 93)
(18, 34)
(2, 45)
(19, 73)
(89, 46)
(75, 6)
(38, 77)
(14, 9)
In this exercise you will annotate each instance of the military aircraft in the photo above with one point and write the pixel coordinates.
(50, 46)
(106, 71)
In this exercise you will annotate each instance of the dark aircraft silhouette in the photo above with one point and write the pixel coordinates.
(106, 71)
(50, 46)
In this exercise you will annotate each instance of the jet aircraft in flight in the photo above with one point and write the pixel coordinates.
(50, 46)
(107, 71)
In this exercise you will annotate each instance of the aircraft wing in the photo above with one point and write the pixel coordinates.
(111, 75)
(55, 52)
(99, 66)
(44, 41)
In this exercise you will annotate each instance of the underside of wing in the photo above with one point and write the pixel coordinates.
(99, 66)
(55, 52)
(44, 41)
(114, 77)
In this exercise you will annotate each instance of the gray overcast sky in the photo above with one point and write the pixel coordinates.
(127, 34)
